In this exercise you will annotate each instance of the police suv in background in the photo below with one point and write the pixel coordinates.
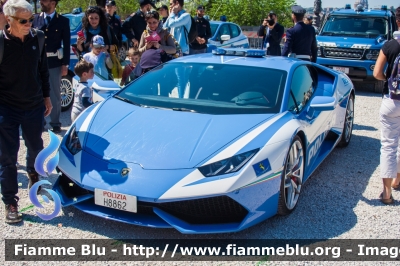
(350, 40)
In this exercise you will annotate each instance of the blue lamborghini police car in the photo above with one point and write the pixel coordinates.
(208, 143)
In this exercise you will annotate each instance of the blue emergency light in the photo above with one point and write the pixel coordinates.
(239, 52)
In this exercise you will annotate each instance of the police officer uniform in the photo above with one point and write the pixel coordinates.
(135, 24)
(57, 42)
(300, 40)
(114, 22)
(203, 31)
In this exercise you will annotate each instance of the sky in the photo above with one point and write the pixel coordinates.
(342, 3)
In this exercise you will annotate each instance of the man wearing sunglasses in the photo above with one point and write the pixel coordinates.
(135, 24)
(24, 100)
(57, 31)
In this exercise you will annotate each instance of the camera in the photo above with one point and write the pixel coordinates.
(271, 22)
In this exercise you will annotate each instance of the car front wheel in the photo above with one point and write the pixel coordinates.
(67, 93)
(292, 178)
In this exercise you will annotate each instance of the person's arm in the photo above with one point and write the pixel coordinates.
(314, 48)
(380, 66)
(142, 43)
(169, 47)
(175, 21)
(109, 62)
(261, 31)
(127, 29)
(66, 46)
(44, 76)
(86, 94)
(86, 102)
(288, 43)
(208, 31)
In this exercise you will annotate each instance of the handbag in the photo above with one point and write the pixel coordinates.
(116, 69)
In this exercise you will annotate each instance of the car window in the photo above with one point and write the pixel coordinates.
(74, 21)
(235, 30)
(301, 89)
(210, 88)
(214, 28)
(223, 30)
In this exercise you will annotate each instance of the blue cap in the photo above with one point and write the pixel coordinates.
(296, 9)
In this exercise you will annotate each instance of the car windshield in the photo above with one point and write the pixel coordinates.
(208, 88)
(214, 28)
(74, 21)
(368, 27)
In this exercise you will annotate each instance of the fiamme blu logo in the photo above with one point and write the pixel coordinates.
(50, 167)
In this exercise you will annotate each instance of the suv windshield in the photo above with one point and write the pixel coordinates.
(208, 88)
(369, 27)
(74, 20)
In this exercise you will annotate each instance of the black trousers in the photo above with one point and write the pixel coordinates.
(31, 122)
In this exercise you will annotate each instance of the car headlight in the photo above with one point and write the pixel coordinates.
(229, 165)
(73, 144)
(372, 54)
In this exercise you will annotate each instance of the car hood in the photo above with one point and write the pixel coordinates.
(349, 42)
(161, 139)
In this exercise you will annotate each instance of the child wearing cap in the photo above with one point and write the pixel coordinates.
(128, 74)
(99, 57)
(83, 94)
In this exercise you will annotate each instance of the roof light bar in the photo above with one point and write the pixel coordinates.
(239, 52)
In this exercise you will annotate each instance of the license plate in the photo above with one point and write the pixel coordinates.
(342, 69)
(115, 200)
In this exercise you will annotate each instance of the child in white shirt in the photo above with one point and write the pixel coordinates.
(99, 57)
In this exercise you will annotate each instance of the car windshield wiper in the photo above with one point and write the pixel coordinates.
(329, 33)
(184, 110)
(126, 100)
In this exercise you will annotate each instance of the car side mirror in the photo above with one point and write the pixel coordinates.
(225, 38)
(322, 103)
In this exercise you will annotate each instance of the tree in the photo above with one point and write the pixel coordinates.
(250, 12)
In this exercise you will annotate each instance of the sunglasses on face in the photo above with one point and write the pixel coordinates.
(1, 10)
(22, 20)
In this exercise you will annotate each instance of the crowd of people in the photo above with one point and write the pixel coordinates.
(155, 36)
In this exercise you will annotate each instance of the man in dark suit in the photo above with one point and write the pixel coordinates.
(272, 33)
(58, 38)
(300, 40)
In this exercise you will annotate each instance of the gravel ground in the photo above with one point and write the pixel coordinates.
(340, 201)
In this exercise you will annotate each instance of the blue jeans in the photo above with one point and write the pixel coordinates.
(31, 122)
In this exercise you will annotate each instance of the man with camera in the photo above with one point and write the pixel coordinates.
(272, 33)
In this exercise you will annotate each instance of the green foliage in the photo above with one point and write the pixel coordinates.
(124, 7)
(250, 12)
(242, 12)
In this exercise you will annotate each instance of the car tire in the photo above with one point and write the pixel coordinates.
(292, 177)
(123, 52)
(67, 93)
(348, 123)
